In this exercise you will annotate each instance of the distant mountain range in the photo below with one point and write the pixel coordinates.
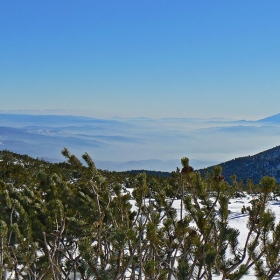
(152, 164)
(140, 143)
(271, 119)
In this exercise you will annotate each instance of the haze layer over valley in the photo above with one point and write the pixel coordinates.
(139, 143)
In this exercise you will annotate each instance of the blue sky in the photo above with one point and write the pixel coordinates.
(141, 58)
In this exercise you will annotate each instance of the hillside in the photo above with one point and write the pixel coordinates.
(24, 169)
(250, 167)
(253, 167)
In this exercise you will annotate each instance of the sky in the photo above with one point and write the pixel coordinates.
(141, 58)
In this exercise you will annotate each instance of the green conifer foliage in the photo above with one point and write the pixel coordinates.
(73, 221)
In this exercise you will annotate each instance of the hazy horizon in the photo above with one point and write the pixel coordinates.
(92, 114)
(141, 143)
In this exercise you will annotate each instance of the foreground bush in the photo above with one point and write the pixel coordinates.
(76, 223)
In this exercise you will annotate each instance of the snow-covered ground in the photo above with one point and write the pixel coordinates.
(238, 220)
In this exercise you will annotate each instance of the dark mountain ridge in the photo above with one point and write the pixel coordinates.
(266, 163)
(252, 167)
